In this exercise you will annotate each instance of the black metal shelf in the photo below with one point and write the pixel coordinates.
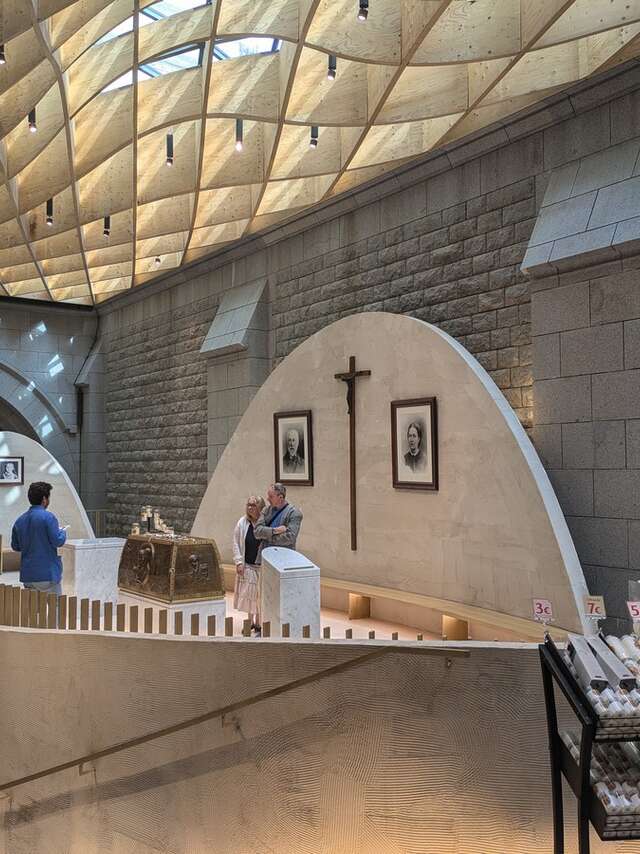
(590, 808)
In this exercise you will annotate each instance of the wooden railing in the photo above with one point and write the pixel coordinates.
(37, 610)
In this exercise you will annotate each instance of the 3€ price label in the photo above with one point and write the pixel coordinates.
(542, 610)
(634, 610)
(594, 607)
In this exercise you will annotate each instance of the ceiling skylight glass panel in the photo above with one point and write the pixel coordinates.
(245, 47)
(124, 27)
(167, 8)
(190, 58)
(126, 80)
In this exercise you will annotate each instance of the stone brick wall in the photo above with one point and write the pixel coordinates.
(156, 410)
(586, 361)
(458, 268)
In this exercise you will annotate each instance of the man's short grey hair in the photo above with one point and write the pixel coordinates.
(280, 488)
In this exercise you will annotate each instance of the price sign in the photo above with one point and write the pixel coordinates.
(542, 610)
(594, 607)
(634, 610)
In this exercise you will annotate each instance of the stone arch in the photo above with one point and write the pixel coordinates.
(46, 421)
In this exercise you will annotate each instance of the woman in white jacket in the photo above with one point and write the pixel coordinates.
(246, 594)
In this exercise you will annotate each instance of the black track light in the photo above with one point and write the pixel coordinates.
(313, 142)
(169, 149)
(107, 226)
(363, 10)
(332, 67)
(239, 134)
(49, 211)
(157, 262)
(32, 121)
(3, 58)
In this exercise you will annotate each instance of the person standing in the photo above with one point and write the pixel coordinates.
(37, 536)
(279, 523)
(246, 593)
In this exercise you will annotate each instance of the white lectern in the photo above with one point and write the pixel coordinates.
(290, 591)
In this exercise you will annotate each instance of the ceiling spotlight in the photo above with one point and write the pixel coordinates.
(3, 59)
(363, 10)
(239, 133)
(107, 226)
(313, 142)
(49, 212)
(32, 121)
(157, 262)
(169, 149)
(331, 70)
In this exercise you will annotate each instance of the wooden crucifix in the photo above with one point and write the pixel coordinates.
(350, 379)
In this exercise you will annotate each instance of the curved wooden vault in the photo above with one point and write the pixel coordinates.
(414, 75)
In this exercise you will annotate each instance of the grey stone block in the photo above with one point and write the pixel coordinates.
(634, 544)
(536, 258)
(546, 356)
(561, 400)
(547, 439)
(578, 137)
(559, 309)
(606, 167)
(632, 344)
(578, 448)
(615, 203)
(600, 540)
(453, 187)
(617, 493)
(560, 184)
(616, 395)
(627, 236)
(402, 207)
(511, 164)
(574, 490)
(564, 218)
(633, 443)
(615, 297)
(596, 349)
(594, 245)
(609, 444)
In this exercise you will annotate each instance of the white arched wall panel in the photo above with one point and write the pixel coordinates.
(493, 536)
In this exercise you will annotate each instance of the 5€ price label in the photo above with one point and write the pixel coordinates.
(634, 610)
(594, 607)
(542, 610)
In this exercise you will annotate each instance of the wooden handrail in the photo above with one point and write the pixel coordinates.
(233, 707)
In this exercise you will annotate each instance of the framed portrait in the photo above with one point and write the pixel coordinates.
(11, 471)
(293, 444)
(414, 443)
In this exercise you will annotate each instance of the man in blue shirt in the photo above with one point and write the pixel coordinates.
(37, 536)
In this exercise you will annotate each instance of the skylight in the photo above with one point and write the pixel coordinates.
(176, 60)
(245, 47)
(155, 12)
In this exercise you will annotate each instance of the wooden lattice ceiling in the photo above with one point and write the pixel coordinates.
(414, 75)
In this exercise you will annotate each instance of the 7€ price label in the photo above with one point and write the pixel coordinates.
(634, 611)
(542, 610)
(594, 607)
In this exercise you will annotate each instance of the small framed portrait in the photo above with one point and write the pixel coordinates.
(414, 443)
(293, 444)
(11, 470)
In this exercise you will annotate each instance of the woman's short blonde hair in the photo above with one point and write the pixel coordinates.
(258, 500)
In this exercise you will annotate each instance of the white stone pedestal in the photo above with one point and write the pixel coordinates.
(204, 607)
(90, 568)
(290, 591)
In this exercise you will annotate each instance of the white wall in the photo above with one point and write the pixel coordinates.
(492, 537)
(39, 465)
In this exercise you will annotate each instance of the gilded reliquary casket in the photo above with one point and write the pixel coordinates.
(171, 569)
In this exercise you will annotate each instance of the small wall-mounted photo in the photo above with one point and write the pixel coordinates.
(414, 443)
(293, 443)
(11, 470)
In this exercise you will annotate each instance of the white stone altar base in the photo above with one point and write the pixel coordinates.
(90, 568)
(290, 591)
(205, 607)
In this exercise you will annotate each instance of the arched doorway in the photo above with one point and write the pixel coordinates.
(11, 420)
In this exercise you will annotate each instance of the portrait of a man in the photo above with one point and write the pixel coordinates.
(11, 470)
(293, 460)
(293, 445)
(414, 444)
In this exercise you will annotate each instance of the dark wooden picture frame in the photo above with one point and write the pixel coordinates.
(11, 459)
(406, 476)
(289, 473)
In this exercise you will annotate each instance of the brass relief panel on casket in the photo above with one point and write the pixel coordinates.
(171, 569)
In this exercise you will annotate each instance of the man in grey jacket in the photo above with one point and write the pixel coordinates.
(279, 522)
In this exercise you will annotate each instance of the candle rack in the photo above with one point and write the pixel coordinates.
(608, 826)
